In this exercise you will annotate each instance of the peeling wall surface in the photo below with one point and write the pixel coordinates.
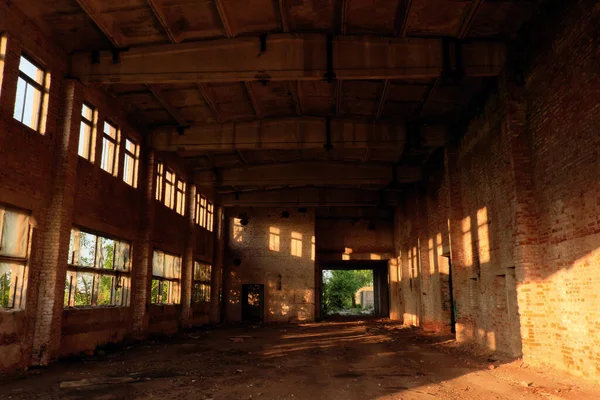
(274, 251)
(517, 210)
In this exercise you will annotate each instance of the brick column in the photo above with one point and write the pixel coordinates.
(217, 269)
(142, 255)
(187, 267)
(57, 229)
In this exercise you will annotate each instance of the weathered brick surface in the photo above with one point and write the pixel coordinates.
(522, 200)
(259, 265)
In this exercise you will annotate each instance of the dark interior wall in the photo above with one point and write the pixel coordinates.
(287, 271)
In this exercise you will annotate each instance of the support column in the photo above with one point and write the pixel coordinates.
(220, 239)
(57, 229)
(142, 256)
(187, 267)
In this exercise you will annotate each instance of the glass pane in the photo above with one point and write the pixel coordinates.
(165, 292)
(87, 249)
(33, 100)
(6, 290)
(122, 258)
(176, 267)
(20, 99)
(130, 146)
(83, 289)
(169, 261)
(158, 263)
(87, 112)
(108, 155)
(105, 290)
(107, 253)
(14, 234)
(154, 291)
(85, 138)
(197, 271)
(31, 70)
(110, 130)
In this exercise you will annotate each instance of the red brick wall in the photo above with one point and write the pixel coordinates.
(259, 265)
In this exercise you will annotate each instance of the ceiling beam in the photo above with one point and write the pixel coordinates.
(402, 15)
(223, 18)
(174, 112)
(93, 10)
(344, 17)
(309, 197)
(288, 57)
(309, 173)
(285, 133)
(295, 92)
(209, 101)
(429, 95)
(383, 98)
(465, 26)
(253, 100)
(283, 12)
(162, 19)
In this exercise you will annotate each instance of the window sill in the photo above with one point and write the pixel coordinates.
(82, 308)
(19, 125)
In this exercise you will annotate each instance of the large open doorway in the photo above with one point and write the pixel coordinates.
(353, 289)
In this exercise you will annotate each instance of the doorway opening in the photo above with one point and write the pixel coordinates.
(353, 289)
(253, 309)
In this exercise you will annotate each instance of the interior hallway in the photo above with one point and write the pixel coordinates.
(342, 360)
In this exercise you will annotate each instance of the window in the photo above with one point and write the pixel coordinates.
(31, 102)
(110, 149)
(238, 230)
(170, 189)
(201, 286)
(87, 133)
(166, 277)
(160, 171)
(296, 244)
(15, 235)
(3, 40)
(180, 197)
(210, 211)
(200, 210)
(131, 163)
(274, 238)
(98, 271)
(312, 249)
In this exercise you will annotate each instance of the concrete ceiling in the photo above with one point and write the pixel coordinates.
(304, 83)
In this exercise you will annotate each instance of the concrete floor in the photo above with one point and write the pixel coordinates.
(336, 360)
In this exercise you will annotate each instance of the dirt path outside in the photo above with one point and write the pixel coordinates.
(336, 360)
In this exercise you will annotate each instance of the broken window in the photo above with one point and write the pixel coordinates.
(166, 278)
(274, 238)
(170, 189)
(98, 271)
(15, 236)
(131, 163)
(31, 102)
(202, 282)
(210, 210)
(110, 149)
(180, 197)
(296, 244)
(160, 172)
(87, 133)
(200, 210)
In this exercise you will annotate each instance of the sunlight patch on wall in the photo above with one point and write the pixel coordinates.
(296, 244)
(238, 230)
(483, 235)
(467, 241)
(274, 238)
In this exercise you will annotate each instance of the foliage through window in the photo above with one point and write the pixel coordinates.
(131, 163)
(110, 149)
(31, 102)
(15, 236)
(98, 271)
(87, 133)
(202, 281)
(166, 278)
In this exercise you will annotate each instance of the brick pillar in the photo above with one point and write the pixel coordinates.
(57, 229)
(142, 255)
(187, 266)
(217, 269)
(525, 293)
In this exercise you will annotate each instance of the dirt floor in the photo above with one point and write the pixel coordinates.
(336, 360)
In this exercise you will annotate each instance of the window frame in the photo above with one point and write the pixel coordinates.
(43, 88)
(162, 279)
(121, 277)
(180, 190)
(116, 141)
(210, 216)
(17, 301)
(198, 295)
(160, 180)
(92, 124)
(135, 160)
(170, 201)
(201, 203)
